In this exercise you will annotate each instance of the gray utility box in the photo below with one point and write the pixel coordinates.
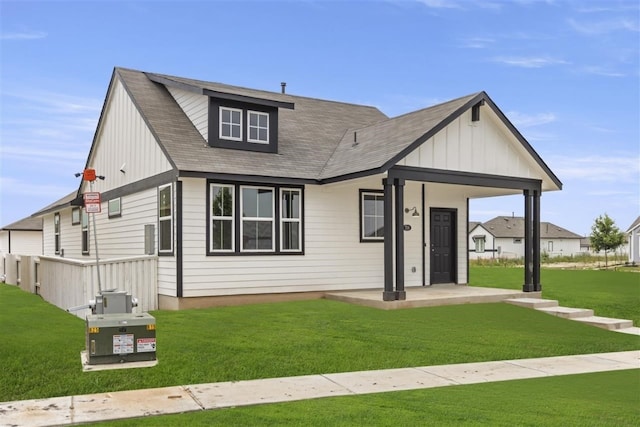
(120, 337)
(113, 302)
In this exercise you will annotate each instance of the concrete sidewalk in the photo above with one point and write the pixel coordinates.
(170, 400)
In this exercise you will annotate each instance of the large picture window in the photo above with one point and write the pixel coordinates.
(257, 209)
(165, 219)
(371, 216)
(290, 219)
(222, 225)
(254, 219)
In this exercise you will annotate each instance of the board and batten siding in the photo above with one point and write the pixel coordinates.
(70, 235)
(334, 256)
(485, 146)
(124, 139)
(23, 242)
(195, 106)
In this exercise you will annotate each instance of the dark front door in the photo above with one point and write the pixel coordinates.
(443, 247)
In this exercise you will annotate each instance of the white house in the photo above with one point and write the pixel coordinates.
(504, 236)
(247, 192)
(633, 235)
(23, 237)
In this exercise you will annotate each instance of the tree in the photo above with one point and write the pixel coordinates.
(606, 236)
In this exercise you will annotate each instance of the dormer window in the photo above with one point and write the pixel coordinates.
(244, 123)
(230, 124)
(258, 127)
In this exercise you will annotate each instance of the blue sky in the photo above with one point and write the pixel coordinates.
(566, 73)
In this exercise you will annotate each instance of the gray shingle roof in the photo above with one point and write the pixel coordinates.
(25, 224)
(635, 224)
(513, 227)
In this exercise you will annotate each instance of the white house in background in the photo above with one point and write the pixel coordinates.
(22, 237)
(244, 192)
(503, 237)
(633, 236)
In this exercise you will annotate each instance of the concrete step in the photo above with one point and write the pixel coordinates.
(606, 322)
(631, 331)
(532, 302)
(567, 312)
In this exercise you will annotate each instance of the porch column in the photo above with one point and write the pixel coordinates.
(536, 241)
(400, 292)
(528, 243)
(388, 294)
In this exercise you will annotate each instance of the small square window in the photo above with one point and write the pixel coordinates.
(258, 127)
(75, 216)
(114, 208)
(230, 123)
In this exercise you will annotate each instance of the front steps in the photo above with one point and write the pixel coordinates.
(583, 315)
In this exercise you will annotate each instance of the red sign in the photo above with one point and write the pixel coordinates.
(92, 203)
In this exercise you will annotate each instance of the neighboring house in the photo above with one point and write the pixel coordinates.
(633, 236)
(247, 192)
(22, 237)
(504, 236)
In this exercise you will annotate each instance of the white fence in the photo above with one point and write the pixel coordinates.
(70, 283)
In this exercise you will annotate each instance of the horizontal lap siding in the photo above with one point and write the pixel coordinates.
(334, 257)
(196, 107)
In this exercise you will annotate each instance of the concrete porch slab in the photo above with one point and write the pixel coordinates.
(567, 312)
(430, 296)
(631, 331)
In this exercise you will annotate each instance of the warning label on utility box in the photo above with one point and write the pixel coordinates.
(145, 345)
(123, 344)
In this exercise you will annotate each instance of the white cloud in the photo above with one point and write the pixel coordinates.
(478, 42)
(529, 61)
(521, 120)
(598, 168)
(441, 4)
(25, 35)
(611, 192)
(604, 27)
(602, 71)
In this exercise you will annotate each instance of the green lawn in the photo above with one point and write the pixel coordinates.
(608, 293)
(41, 343)
(599, 399)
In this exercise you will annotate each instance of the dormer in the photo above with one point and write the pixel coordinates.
(243, 123)
(229, 117)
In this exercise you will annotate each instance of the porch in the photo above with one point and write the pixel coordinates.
(431, 296)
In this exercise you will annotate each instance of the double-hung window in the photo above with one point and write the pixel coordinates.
(85, 232)
(372, 216)
(290, 219)
(257, 220)
(165, 219)
(56, 232)
(479, 242)
(231, 123)
(222, 222)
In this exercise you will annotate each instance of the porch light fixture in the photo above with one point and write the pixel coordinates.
(414, 209)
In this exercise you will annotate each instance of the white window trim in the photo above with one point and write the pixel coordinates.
(84, 226)
(480, 247)
(291, 220)
(114, 213)
(272, 219)
(362, 221)
(220, 217)
(165, 218)
(231, 138)
(259, 113)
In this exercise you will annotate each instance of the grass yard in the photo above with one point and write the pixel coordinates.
(598, 399)
(609, 293)
(41, 343)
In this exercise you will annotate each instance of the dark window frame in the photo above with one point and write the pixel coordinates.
(361, 194)
(215, 104)
(171, 219)
(237, 219)
(57, 233)
(85, 233)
